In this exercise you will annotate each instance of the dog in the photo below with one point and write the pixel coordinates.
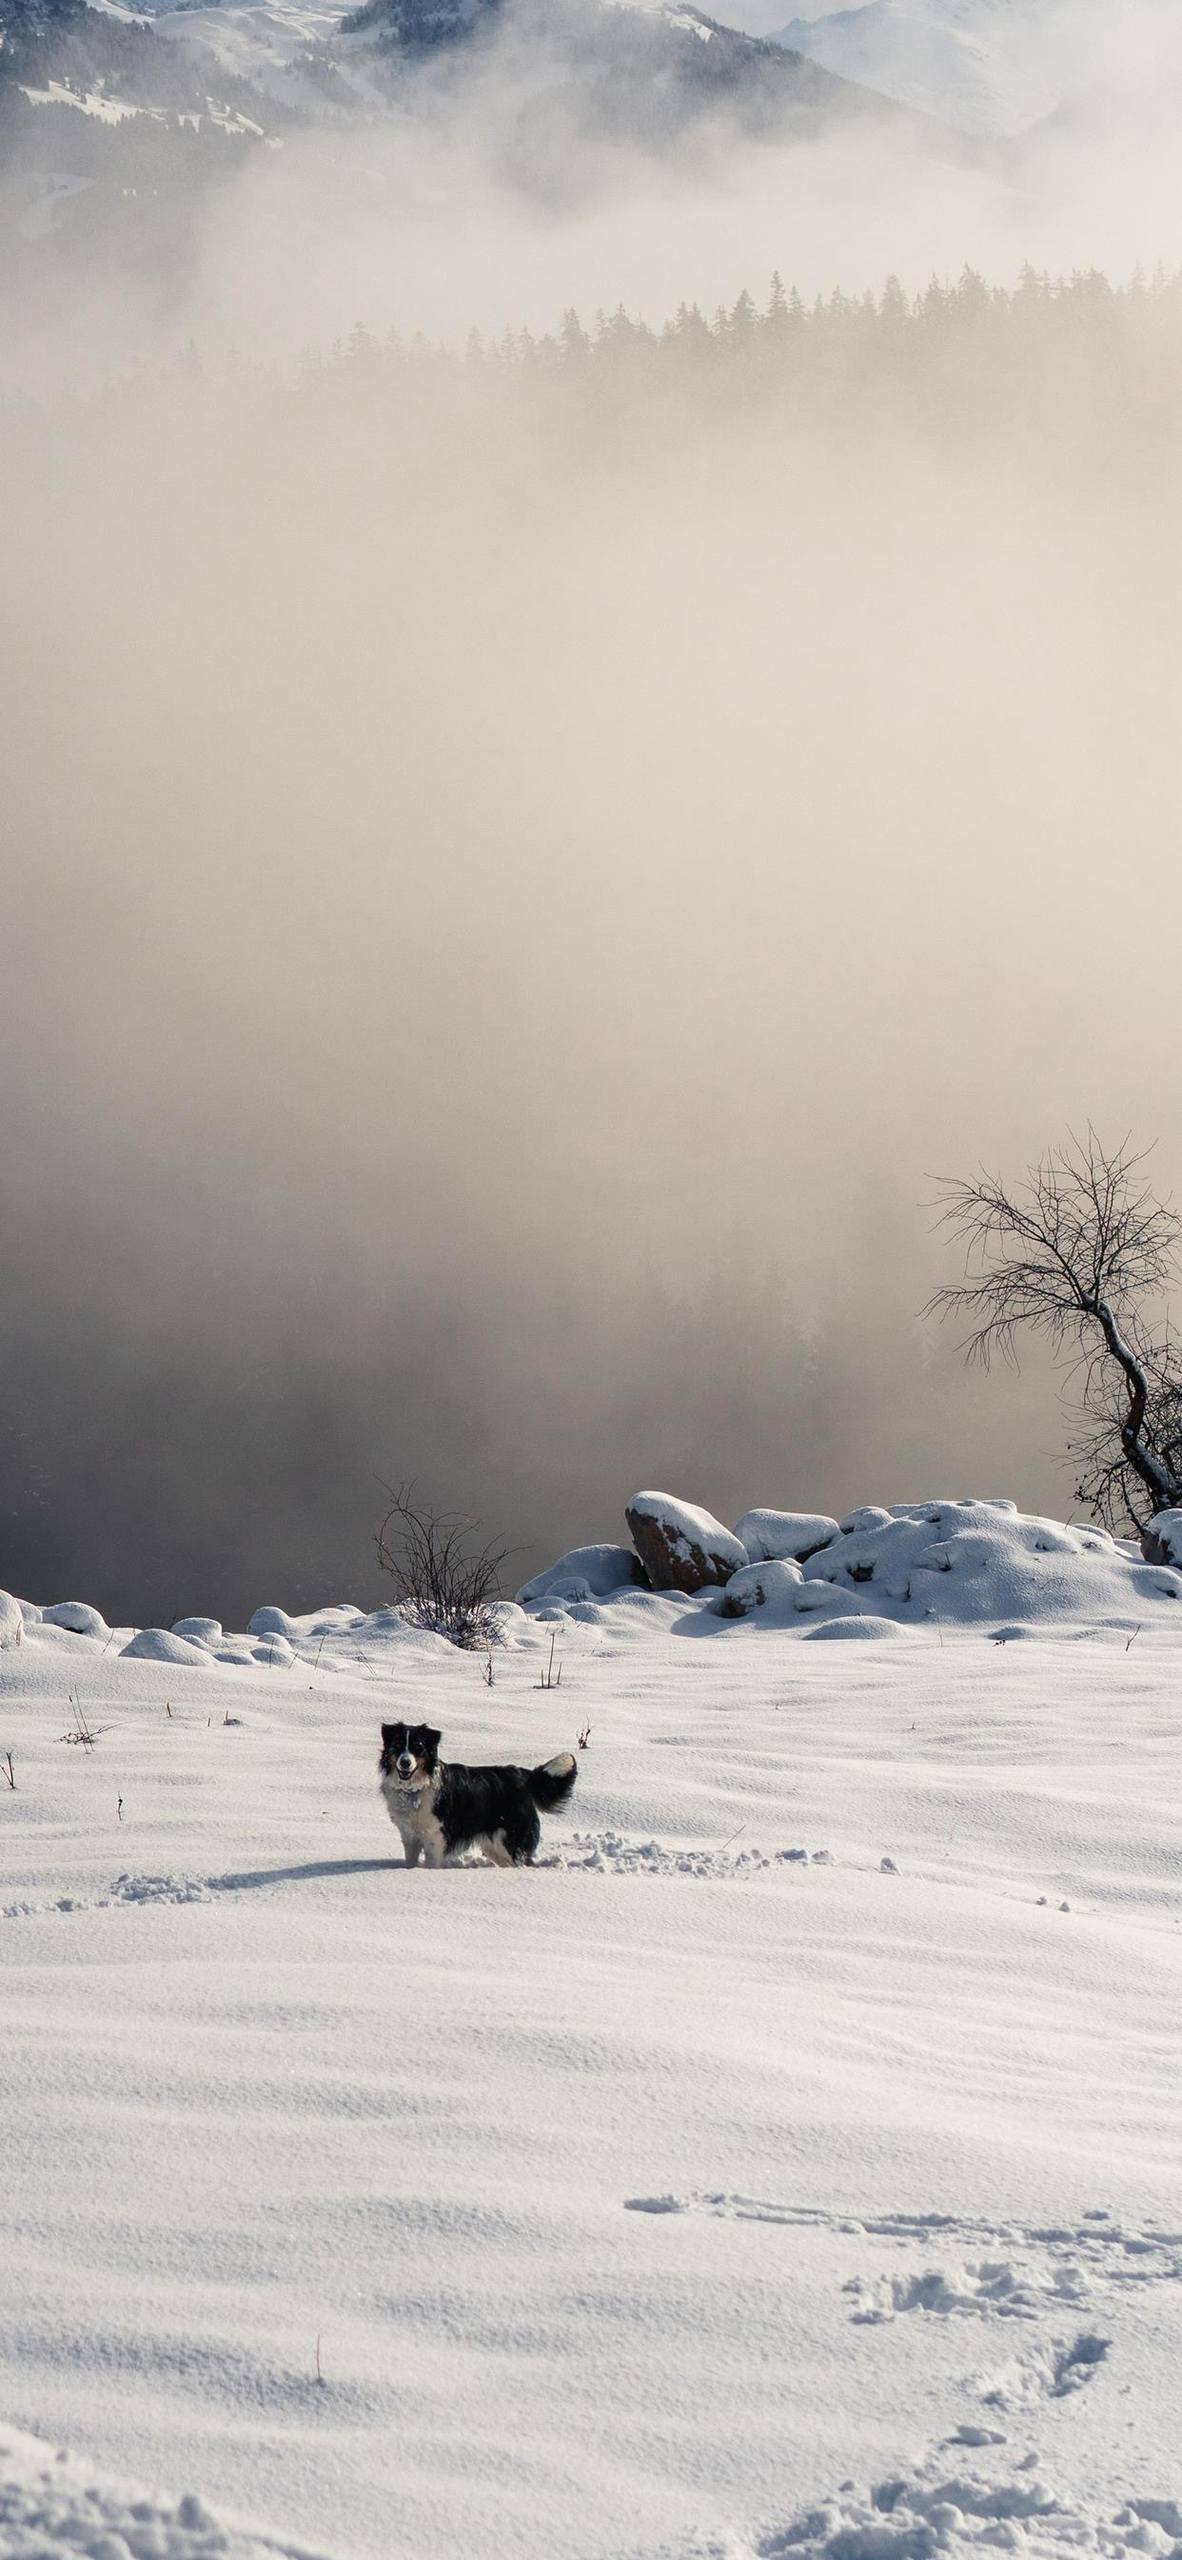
(442, 1810)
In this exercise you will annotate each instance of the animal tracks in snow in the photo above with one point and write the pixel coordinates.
(1031, 2271)
(609, 1853)
(1029, 2268)
(125, 1889)
(1051, 2372)
(1028, 2271)
(596, 1852)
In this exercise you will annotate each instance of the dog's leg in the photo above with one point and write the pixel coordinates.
(496, 1852)
(412, 1851)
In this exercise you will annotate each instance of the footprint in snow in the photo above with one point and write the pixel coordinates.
(125, 1889)
(610, 1853)
(932, 2510)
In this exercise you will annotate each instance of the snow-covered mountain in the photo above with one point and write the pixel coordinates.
(992, 67)
(652, 69)
(114, 120)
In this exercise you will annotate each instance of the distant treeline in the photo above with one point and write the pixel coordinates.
(1057, 373)
(1052, 360)
(1040, 310)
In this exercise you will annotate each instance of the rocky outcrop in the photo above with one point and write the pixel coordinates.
(680, 1547)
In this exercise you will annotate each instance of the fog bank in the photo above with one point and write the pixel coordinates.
(515, 884)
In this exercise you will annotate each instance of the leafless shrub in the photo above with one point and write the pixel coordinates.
(444, 1581)
(1080, 1251)
(8, 1772)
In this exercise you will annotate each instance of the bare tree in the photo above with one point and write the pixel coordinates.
(1080, 1252)
(443, 1580)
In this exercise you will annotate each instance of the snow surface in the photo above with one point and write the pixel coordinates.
(787, 2164)
(89, 102)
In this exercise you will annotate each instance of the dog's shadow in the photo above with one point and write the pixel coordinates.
(313, 1874)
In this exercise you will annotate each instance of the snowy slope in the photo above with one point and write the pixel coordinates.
(267, 44)
(988, 66)
(788, 2163)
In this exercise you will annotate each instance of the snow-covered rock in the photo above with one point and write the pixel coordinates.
(159, 1644)
(680, 1547)
(1161, 1542)
(78, 1617)
(12, 1624)
(771, 1585)
(784, 1533)
(198, 1630)
(586, 1573)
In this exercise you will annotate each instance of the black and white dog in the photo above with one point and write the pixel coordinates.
(441, 1811)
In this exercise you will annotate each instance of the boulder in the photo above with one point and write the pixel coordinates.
(586, 1573)
(12, 1624)
(1161, 1542)
(796, 1535)
(680, 1547)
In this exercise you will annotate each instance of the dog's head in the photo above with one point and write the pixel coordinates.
(410, 1752)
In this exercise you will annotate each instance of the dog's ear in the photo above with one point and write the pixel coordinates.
(387, 1730)
(433, 1739)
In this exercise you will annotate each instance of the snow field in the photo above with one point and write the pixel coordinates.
(788, 2163)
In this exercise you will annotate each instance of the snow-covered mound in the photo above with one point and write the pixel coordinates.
(587, 1573)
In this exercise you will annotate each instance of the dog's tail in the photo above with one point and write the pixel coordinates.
(552, 1783)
